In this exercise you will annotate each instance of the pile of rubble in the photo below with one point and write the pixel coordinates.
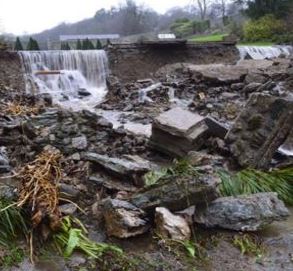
(219, 91)
(177, 132)
(214, 116)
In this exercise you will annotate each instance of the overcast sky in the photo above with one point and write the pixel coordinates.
(32, 16)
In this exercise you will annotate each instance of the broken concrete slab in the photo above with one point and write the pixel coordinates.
(178, 121)
(178, 194)
(171, 226)
(123, 220)
(242, 213)
(260, 129)
(178, 131)
(132, 168)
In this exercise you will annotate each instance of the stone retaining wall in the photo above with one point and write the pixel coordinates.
(131, 62)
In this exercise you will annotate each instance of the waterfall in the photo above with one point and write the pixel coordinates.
(74, 78)
(264, 52)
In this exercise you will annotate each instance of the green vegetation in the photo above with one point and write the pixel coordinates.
(209, 38)
(78, 45)
(249, 245)
(18, 45)
(251, 181)
(99, 45)
(33, 45)
(270, 21)
(191, 249)
(263, 29)
(65, 46)
(12, 256)
(87, 45)
(70, 239)
(12, 222)
(259, 8)
(185, 27)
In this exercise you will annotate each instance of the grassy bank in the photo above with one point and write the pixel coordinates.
(220, 37)
(209, 38)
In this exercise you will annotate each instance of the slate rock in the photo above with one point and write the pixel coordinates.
(123, 220)
(242, 213)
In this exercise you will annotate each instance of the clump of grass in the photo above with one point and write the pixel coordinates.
(192, 249)
(251, 181)
(249, 245)
(69, 239)
(12, 222)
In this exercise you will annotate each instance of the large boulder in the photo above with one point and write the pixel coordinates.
(178, 194)
(123, 220)
(171, 226)
(259, 130)
(242, 213)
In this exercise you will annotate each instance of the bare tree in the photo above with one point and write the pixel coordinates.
(203, 7)
(223, 4)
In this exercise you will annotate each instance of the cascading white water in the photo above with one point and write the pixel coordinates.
(264, 52)
(79, 78)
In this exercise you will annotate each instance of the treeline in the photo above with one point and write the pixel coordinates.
(82, 45)
(269, 20)
(33, 45)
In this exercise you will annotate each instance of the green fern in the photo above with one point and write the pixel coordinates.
(251, 181)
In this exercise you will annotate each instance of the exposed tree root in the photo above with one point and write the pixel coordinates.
(19, 109)
(39, 189)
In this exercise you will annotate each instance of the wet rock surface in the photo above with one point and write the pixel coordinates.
(171, 226)
(177, 194)
(260, 129)
(132, 168)
(105, 161)
(243, 213)
(124, 220)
